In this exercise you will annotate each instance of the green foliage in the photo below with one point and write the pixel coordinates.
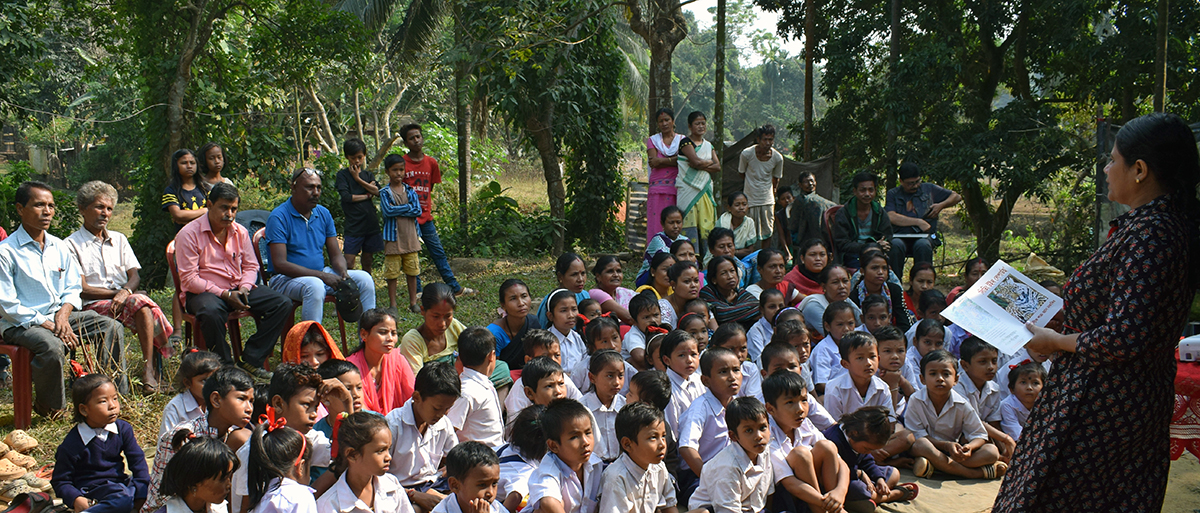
(20, 45)
(497, 227)
(441, 142)
(66, 218)
(307, 38)
(152, 228)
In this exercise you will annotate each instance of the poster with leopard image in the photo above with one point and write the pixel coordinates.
(997, 307)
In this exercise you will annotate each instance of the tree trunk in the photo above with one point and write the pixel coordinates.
(1160, 57)
(810, 12)
(541, 130)
(660, 81)
(199, 31)
(719, 93)
(892, 129)
(324, 132)
(462, 115)
(664, 28)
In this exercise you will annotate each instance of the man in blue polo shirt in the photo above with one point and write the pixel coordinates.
(913, 208)
(297, 231)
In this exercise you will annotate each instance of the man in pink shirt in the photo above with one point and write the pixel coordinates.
(218, 271)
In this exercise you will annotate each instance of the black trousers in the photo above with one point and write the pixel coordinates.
(269, 308)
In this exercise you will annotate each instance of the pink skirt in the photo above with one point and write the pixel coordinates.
(659, 196)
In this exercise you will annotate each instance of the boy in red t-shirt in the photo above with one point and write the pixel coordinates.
(421, 172)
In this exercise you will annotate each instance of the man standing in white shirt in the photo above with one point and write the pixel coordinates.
(762, 167)
(110, 276)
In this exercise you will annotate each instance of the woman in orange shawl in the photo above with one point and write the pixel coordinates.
(309, 343)
(386, 375)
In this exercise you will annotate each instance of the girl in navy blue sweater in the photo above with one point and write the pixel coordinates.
(89, 473)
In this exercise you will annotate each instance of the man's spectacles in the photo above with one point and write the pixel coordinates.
(305, 171)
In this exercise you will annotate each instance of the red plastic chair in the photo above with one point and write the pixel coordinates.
(22, 374)
(828, 219)
(191, 330)
(291, 320)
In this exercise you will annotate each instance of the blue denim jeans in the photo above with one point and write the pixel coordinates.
(311, 292)
(438, 255)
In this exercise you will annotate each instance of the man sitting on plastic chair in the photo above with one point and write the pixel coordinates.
(218, 270)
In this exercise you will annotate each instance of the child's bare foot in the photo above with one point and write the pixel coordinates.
(900, 461)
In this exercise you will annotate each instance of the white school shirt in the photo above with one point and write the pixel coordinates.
(956, 420)
(416, 457)
(627, 488)
(702, 427)
(731, 483)
(757, 338)
(634, 339)
(1013, 415)
(182, 408)
(826, 361)
(1014, 362)
(517, 400)
(986, 401)
(514, 472)
(176, 504)
(841, 396)
(477, 410)
(605, 443)
(912, 367)
(287, 496)
(817, 413)
(806, 434)
(240, 482)
(806, 373)
(571, 346)
(751, 381)
(390, 497)
(450, 505)
(87, 433)
(683, 392)
(579, 375)
(554, 479)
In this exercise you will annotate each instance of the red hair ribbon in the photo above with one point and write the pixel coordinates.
(657, 329)
(680, 321)
(586, 320)
(337, 423)
(270, 420)
(1023, 362)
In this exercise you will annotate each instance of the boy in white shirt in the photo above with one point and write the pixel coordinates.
(740, 477)
(568, 477)
(780, 356)
(422, 435)
(476, 414)
(859, 387)
(939, 417)
(538, 343)
(702, 430)
(1025, 387)
(978, 363)
(806, 465)
(474, 470)
(638, 481)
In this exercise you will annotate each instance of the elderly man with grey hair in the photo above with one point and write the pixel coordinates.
(110, 276)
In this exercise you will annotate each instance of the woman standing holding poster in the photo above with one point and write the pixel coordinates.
(1098, 435)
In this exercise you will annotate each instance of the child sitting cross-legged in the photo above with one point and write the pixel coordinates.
(568, 477)
(861, 387)
(740, 477)
(604, 400)
(857, 435)
(942, 419)
(89, 473)
(364, 455)
(806, 465)
(978, 363)
(197, 478)
(1025, 385)
(279, 460)
(638, 481)
(422, 435)
(473, 471)
(892, 351)
(702, 430)
(538, 344)
(520, 457)
(476, 415)
(732, 336)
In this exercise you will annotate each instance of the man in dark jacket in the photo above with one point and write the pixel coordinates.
(860, 222)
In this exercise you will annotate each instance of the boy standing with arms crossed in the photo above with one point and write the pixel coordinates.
(421, 172)
(356, 186)
(401, 209)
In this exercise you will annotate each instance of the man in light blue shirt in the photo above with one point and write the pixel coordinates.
(299, 233)
(40, 305)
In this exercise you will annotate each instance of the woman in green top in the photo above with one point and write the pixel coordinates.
(436, 339)
(694, 186)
